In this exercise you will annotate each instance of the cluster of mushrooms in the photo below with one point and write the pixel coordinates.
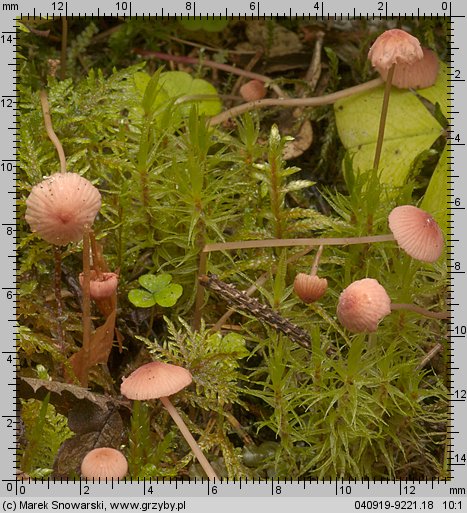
(364, 303)
(62, 207)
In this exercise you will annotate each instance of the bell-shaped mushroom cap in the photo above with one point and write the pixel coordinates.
(416, 232)
(104, 462)
(394, 46)
(60, 206)
(309, 288)
(101, 287)
(154, 380)
(418, 75)
(253, 90)
(362, 305)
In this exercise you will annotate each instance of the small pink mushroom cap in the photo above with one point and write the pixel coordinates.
(154, 380)
(103, 287)
(253, 90)
(103, 463)
(394, 46)
(309, 288)
(416, 232)
(362, 305)
(60, 206)
(418, 75)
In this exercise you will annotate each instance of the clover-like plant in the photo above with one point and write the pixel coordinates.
(157, 289)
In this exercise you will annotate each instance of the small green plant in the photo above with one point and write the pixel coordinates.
(157, 289)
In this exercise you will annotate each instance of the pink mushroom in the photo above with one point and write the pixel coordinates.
(309, 288)
(394, 46)
(59, 207)
(362, 305)
(416, 232)
(158, 380)
(418, 75)
(104, 463)
(103, 286)
(253, 90)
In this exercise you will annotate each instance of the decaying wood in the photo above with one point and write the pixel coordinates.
(252, 306)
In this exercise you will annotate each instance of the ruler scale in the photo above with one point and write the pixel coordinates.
(196, 494)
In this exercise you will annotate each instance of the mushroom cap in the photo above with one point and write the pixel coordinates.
(60, 206)
(418, 75)
(362, 305)
(416, 232)
(253, 90)
(308, 287)
(104, 462)
(154, 380)
(394, 46)
(103, 287)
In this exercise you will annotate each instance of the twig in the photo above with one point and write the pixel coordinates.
(254, 287)
(211, 48)
(192, 61)
(50, 131)
(295, 102)
(429, 356)
(252, 306)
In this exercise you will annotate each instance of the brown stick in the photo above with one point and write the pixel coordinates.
(192, 61)
(254, 287)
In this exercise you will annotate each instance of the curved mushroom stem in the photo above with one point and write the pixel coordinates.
(420, 310)
(50, 130)
(189, 438)
(314, 267)
(382, 120)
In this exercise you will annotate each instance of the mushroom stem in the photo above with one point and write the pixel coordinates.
(86, 304)
(50, 131)
(280, 243)
(314, 267)
(58, 297)
(316, 101)
(384, 114)
(63, 53)
(419, 310)
(189, 438)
